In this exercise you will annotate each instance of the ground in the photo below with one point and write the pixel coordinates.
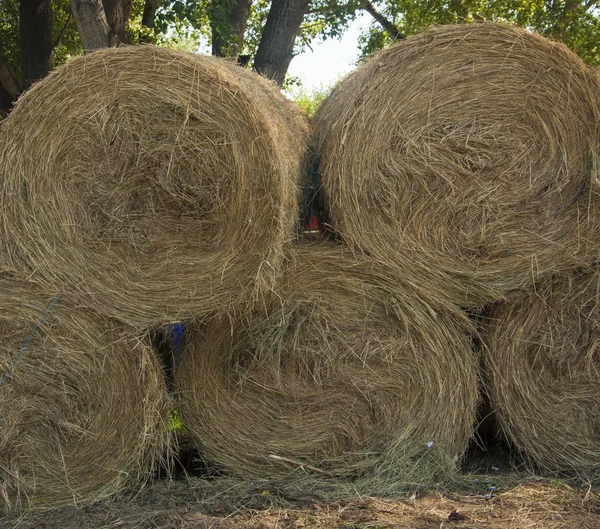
(510, 501)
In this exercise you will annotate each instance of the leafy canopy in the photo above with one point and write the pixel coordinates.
(574, 22)
(188, 24)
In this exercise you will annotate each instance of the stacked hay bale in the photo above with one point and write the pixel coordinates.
(338, 378)
(83, 407)
(155, 184)
(142, 185)
(543, 362)
(467, 159)
(149, 186)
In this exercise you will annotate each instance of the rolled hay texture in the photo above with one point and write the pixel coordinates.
(83, 409)
(152, 183)
(543, 358)
(335, 380)
(468, 155)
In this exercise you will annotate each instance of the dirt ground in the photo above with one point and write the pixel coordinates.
(507, 502)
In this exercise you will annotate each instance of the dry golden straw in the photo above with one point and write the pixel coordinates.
(335, 379)
(543, 358)
(468, 154)
(83, 411)
(151, 183)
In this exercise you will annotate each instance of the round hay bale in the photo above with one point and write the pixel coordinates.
(543, 358)
(152, 183)
(336, 378)
(467, 156)
(83, 413)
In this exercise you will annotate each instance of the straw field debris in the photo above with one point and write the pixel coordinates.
(151, 183)
(468, 155)
(336, 380)
(542, 354)
(83, 408)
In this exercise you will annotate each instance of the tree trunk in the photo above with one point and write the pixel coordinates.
(150, 9)
(228, 24)
(36, 39)
(91, 23)
(117, 13)
(9, 89)
(276, 47)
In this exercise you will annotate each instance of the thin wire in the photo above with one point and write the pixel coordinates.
(20, 355)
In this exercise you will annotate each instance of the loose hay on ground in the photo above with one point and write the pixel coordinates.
(84, 413)
(467, 155)
(336, 378)
(543, 359)
(151, 183)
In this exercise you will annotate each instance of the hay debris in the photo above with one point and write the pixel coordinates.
(84, 413)
(543, 359)
(468, 157)
(336, 379)
(150, 183)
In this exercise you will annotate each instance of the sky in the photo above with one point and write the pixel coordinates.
(331, 59)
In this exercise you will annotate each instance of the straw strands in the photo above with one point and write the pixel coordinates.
(83, 408)
(151, 183)
(467, 155)
(336, 378)
(543, 359)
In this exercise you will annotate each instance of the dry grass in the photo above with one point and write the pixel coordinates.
(84, 413)
(337, 378)
(526, 504)
(467, 156)
(150, 183)
(544, 372)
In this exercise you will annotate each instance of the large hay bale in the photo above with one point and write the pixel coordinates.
(336, 378)
(153, 183)
(543, 358)
(468, 154)
(83, 412)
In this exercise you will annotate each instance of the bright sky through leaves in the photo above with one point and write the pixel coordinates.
(330, 59)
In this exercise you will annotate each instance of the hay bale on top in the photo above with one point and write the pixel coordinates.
(468, 154)
(153, 183)
(335, 378)
(84, 413)
(544, 372)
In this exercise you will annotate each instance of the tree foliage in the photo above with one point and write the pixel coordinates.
(64, 33)
(10, 48)
(309, 100)
(193, 23)
(574, 22)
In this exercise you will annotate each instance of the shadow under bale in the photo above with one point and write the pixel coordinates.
(543, 359)
(83, 409)
(150, 183)
(468, 155)
(335, 380)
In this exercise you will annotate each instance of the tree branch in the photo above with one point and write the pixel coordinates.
(560, 28)
(62, 31)
(389, 26)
